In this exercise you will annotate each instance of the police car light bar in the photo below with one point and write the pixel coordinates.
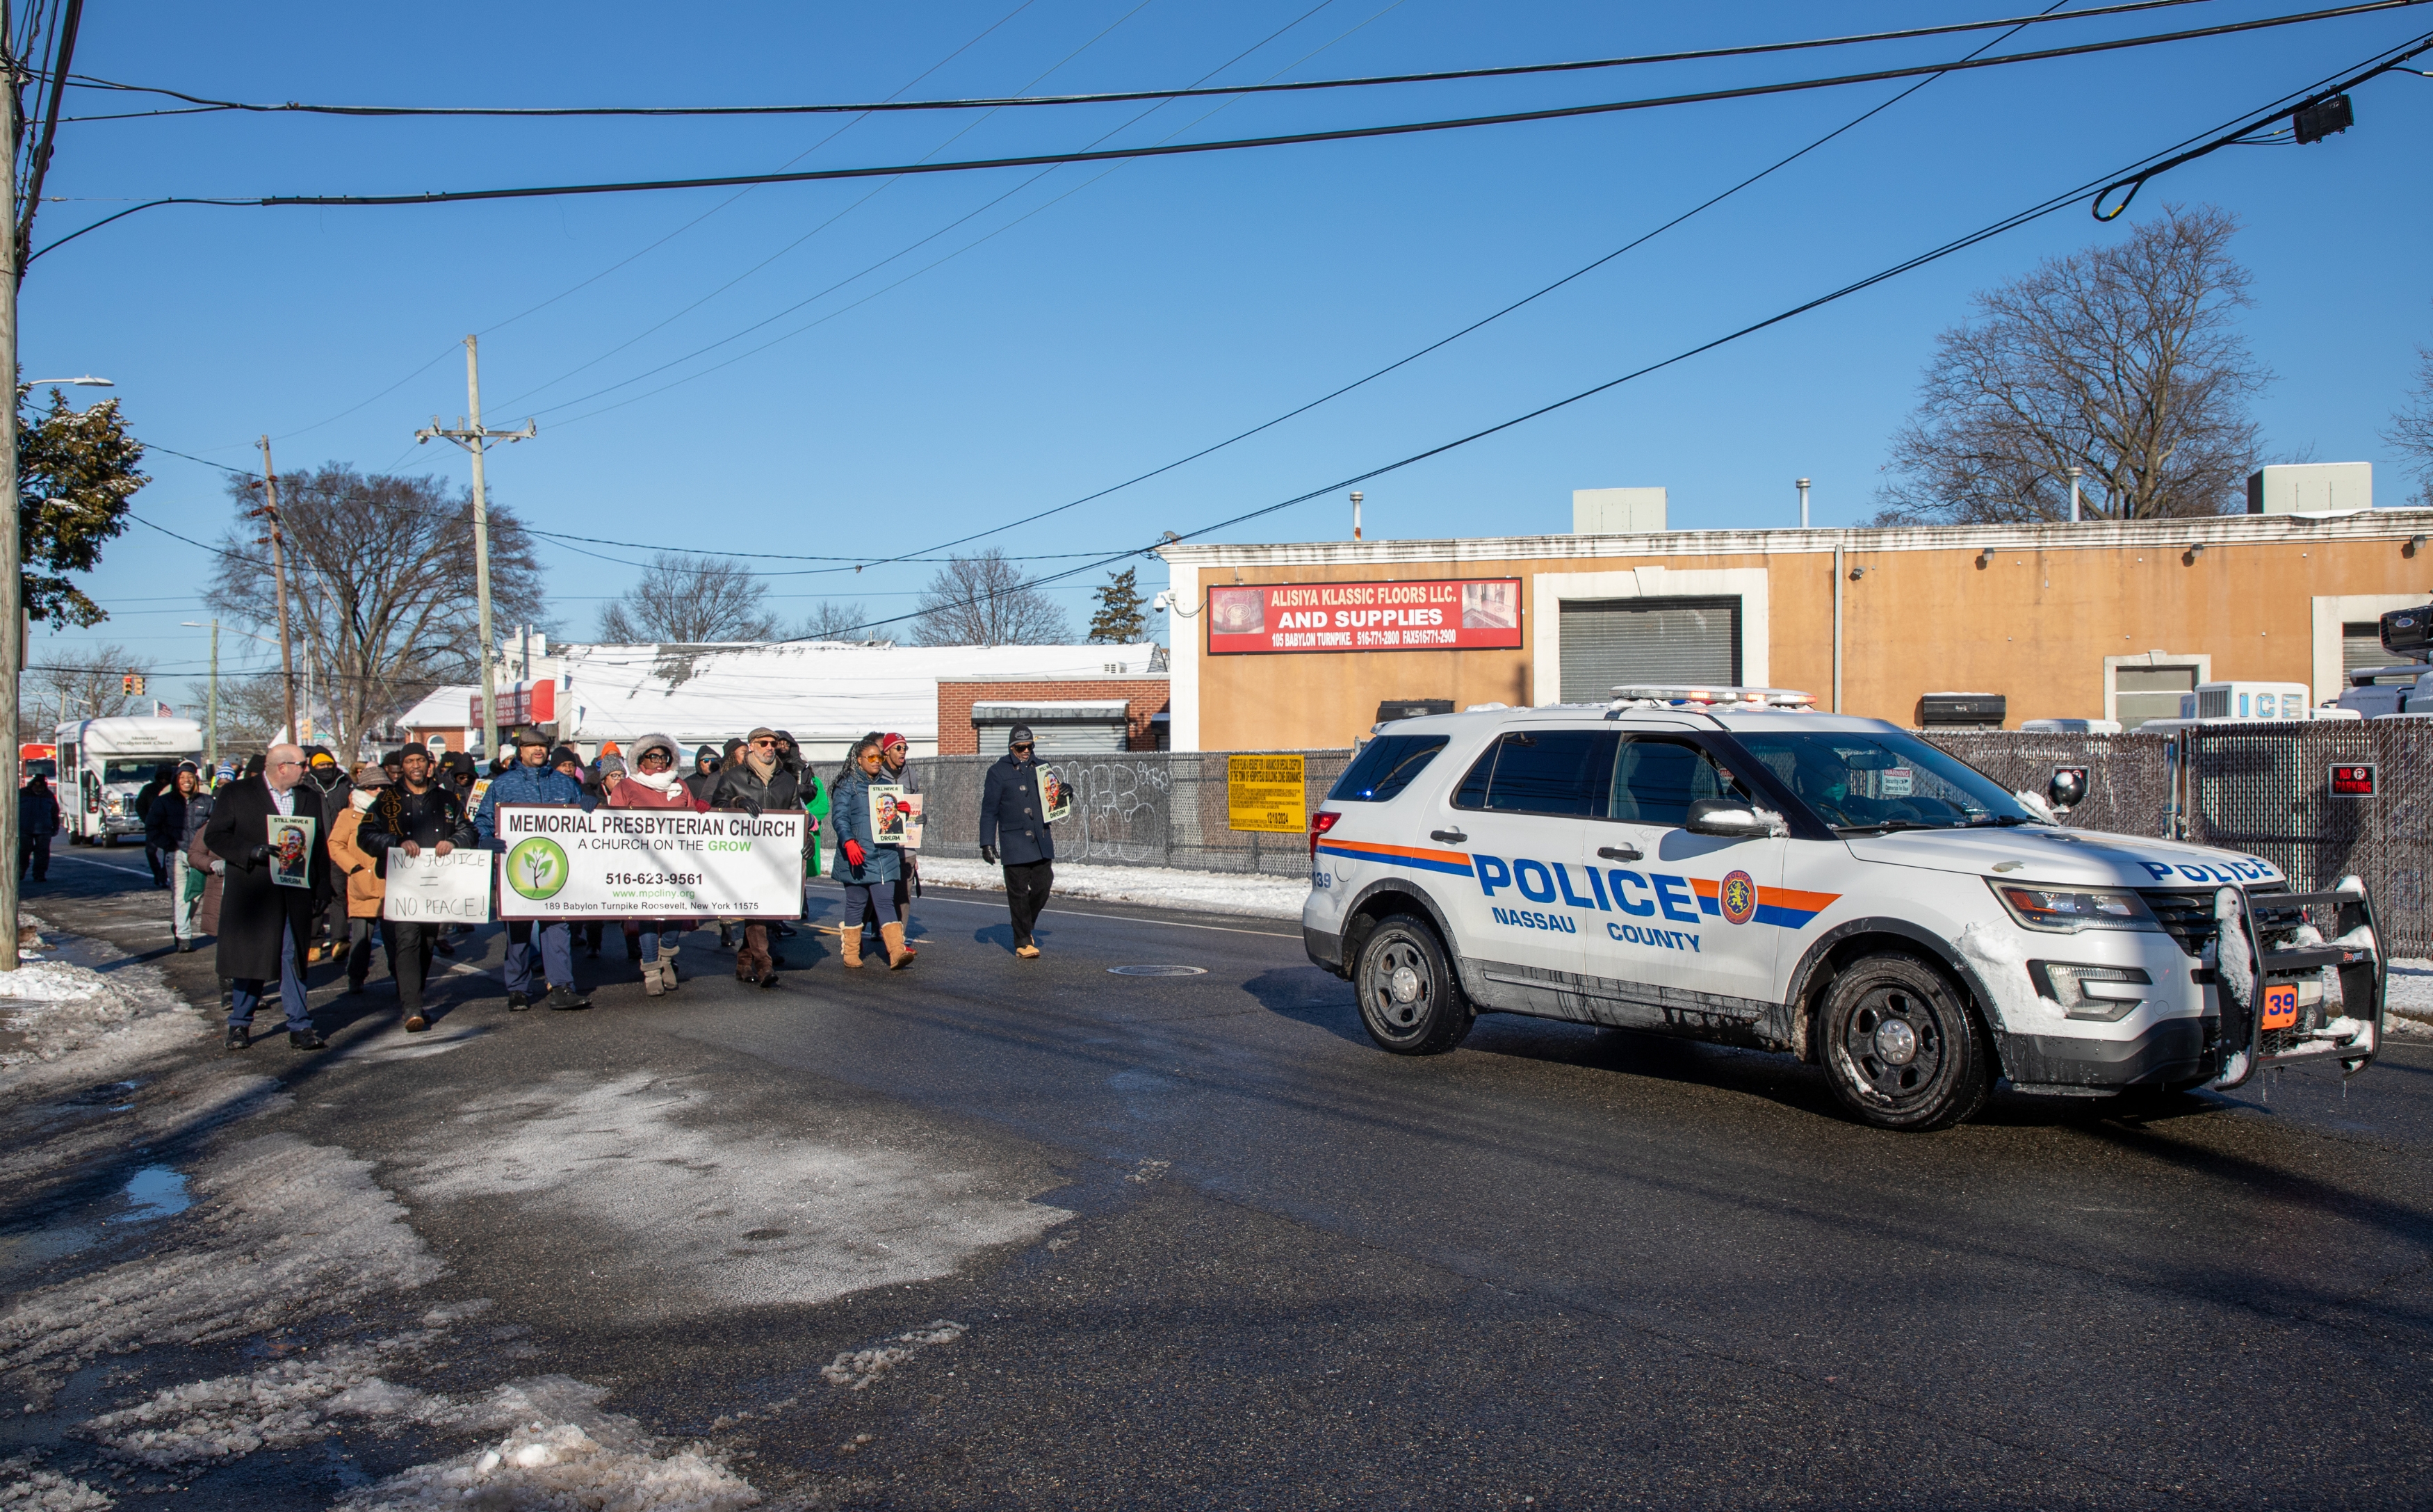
(1678, 696)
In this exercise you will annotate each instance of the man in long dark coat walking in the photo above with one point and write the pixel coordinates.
(264, 928)
(1013, 820)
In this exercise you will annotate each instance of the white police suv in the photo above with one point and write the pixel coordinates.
(1726, 865)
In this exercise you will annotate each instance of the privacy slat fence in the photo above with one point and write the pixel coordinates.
(2260, 788)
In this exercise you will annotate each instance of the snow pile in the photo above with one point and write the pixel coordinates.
(1252, 895)
(60, 1007)
(857, 1369)
(287, 1226)
(277, 1407)
(2410, 992)
(23, 1488)
(702, 1217)
(2001, 956)
(562, 1453)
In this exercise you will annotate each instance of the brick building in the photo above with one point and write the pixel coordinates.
(1068, 714)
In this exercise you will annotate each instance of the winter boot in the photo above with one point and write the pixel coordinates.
(849, 939)
(650, 985)
(897, 957)
(667, 968)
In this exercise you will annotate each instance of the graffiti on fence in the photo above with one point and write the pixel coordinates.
(1121, 810)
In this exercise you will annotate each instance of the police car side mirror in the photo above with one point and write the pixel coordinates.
(1728, 818)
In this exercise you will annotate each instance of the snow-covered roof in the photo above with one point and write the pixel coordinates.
(819, 690)
(450, 705)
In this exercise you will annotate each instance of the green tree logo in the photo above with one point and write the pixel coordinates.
(536, 868)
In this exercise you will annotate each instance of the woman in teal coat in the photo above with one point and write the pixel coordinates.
(867, 869)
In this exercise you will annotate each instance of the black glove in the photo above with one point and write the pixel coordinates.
(258, 854)
(751, 808)
(988, 854)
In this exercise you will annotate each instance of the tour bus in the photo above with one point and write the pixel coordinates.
(102, 763)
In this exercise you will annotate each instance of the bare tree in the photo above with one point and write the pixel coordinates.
(2411, 428)
(380, 587)
(834, 621)
(60, 685)
(981, 600)
(252, 708)
(686, 600)
(2121, 359)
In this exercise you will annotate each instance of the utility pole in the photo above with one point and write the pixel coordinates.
(474, 438)
(12, 626)
(211, 729)
(279, 572)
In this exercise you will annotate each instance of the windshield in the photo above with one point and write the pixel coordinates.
(137, 770)
(1866, 780)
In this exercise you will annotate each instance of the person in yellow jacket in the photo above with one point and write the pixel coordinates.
(366, 892)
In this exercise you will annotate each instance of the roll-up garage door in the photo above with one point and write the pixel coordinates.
(1607, 641)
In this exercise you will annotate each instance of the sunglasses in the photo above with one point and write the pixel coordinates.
(287, 763)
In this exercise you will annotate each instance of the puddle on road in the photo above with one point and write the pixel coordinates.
(154, 1192)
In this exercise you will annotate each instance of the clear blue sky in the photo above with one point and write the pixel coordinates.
(1096, 323)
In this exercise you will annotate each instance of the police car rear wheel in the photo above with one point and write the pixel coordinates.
(1409, 1002)
(1903, 1050)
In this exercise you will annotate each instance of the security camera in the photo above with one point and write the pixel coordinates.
(1157, 602)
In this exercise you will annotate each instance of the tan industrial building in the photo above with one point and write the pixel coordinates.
(1282, 646)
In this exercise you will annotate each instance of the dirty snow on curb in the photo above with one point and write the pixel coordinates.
(286, 1226)
(24, 1488)
(1253, 896)
(859, 1368)
(60, 1007)
(713, 1219)
(561, 1453)
(2410, 991)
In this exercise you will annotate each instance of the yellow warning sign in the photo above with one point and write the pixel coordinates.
(1267, 793)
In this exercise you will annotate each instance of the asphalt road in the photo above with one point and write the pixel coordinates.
(1558, 1267)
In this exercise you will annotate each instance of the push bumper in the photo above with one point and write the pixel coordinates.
(2264, 1021)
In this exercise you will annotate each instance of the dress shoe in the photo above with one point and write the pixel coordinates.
(444, 945)
(417, 1024)
(238, 1038)
(306, 1040)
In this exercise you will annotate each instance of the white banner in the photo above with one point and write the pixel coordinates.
(648, 863)
(436, 889)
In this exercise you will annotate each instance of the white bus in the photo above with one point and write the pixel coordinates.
(102, 763)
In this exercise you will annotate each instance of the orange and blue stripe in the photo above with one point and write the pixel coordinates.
(1419, 859)
(1784, 908)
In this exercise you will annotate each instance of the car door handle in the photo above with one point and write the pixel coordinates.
(1450, 837)
(1621, 852)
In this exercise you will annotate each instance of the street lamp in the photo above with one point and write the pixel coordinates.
(86, 382)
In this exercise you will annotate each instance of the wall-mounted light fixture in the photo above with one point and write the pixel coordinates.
(1857, 572)
(2195, 551)
(2415, 544)
(1985, 558)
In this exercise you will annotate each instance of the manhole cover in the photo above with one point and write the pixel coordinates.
(1157, 971)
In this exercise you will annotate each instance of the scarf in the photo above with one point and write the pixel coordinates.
(656, 781)
(763, 767)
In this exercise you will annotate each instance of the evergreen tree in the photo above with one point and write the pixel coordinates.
(1122, 612)
(76, 470)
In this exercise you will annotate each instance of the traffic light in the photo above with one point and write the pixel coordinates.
(132, 685)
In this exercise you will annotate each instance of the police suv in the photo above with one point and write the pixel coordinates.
(1726, 864)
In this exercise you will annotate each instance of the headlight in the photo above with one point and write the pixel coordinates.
(2067, 910)
(2104, 993)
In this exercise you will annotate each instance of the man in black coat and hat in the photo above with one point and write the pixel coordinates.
(1013, 818)
(265, 925)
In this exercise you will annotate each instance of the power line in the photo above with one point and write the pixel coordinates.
(2092, 190)
(1240, 144)
(201, 102)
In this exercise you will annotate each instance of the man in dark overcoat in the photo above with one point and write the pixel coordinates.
(266, 929)
(1013, 821)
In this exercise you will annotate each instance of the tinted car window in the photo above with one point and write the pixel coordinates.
(1543, 771)
(1655, 782)
(1384, 767)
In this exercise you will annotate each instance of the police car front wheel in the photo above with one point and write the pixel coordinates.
(1903, 1050)
(1409, 1002)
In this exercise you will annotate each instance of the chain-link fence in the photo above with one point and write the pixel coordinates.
(2129, 776)
(1139, 809)
(2264, 789)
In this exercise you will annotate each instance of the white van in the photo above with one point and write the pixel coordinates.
(102, 764)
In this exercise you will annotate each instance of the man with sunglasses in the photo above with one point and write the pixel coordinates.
(1014, 820)
(532, 780)
(265, 929)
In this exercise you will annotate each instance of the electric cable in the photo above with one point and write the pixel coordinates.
(2093, 189)
(204, 103)
(1240, 144)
